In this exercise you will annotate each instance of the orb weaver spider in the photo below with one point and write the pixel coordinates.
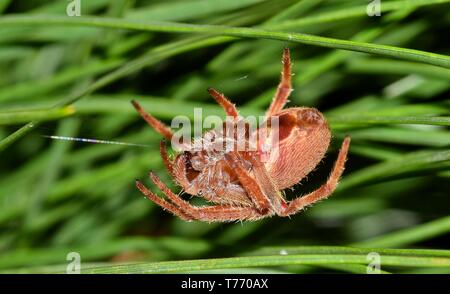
(239, 183)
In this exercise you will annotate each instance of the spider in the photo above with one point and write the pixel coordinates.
(240, 184)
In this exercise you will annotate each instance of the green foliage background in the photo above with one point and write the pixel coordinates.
(74, 76)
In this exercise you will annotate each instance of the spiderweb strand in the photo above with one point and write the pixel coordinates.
(87, 140)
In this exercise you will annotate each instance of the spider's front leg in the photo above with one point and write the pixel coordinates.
(218, 213)
(326, 189)
(163, 203)
(166, 160)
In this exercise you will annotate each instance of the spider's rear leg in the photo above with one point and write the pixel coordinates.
(267, 184)
(156, 124)
(326, 189)
(251, 186)
(218, 213)
(284, 87)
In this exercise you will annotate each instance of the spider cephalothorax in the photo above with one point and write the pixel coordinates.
(247, 184)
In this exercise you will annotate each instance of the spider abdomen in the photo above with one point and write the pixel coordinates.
(304, 140)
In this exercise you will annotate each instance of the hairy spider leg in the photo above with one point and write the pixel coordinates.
(228, 107)
(250, 185)
(163, 203)
(166, 160)
(156, 124)
(326, 189)
(284, 87)
(217, 213)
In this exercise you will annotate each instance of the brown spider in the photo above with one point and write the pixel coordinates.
(242, 186)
